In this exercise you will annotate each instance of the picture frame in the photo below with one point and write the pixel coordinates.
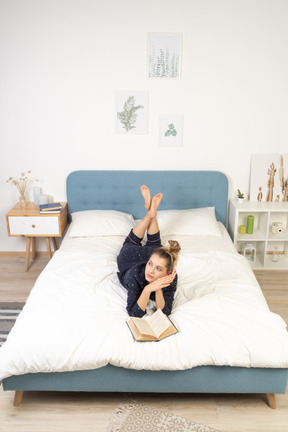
(171, 130)
(269, 177)
(131, 112)
(164, 55)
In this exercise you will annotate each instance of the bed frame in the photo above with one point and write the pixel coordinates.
(119, 190)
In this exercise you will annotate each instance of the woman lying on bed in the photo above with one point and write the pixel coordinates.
(148, 272)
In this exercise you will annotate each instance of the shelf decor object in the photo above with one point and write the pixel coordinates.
(36, 192)
(250, 224)
(240, 196)
(242, 229)
(43, 199)
(250, 253)
(269, 177)
(265, 216)
(275, 256)
(22, 184)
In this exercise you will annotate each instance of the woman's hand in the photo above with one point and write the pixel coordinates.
(156, 286)
(162, 282)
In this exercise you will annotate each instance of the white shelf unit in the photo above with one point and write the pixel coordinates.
(265, 213)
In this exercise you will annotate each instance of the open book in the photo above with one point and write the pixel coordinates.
(156, 327)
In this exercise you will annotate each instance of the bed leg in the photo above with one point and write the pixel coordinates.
(18, 397)
(271, 400)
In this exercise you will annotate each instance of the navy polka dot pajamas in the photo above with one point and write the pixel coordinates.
(132, 261)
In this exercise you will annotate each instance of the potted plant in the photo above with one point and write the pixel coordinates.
(240, 196)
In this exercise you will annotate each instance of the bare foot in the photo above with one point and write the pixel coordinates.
(155, 204)
(147, 196)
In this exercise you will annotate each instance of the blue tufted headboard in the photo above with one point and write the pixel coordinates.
(120, 190)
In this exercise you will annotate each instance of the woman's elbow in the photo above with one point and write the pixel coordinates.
(135, 311)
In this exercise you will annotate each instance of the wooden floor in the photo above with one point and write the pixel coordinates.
(71, 412)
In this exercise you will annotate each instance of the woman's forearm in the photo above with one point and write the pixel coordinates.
(160, 301)
(144, 298)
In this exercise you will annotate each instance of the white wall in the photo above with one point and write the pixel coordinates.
(61, 62)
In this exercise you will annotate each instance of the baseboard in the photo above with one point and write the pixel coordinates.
(19, 254)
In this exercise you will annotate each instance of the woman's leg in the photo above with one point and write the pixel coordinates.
(149, 223)
(153, 227)
(142, 226)
(147, 196)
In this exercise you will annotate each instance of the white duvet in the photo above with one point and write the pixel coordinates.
(75, 317)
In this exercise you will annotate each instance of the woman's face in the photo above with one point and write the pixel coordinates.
(155, 268)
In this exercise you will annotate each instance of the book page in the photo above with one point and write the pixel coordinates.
(133, 329)
(159, 322)
(142, 326)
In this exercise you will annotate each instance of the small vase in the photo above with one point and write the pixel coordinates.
(240, 200)
(275, 256)
(22, 200)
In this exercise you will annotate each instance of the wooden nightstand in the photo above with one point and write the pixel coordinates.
(28, 222)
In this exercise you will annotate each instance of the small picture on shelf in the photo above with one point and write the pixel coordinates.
(269, 177)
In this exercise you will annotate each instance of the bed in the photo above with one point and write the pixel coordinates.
(206, 367)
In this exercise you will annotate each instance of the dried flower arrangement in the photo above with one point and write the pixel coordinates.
(22, 184)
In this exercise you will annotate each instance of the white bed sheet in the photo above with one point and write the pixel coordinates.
(75, 317)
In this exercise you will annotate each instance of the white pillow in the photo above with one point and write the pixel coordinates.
(96, 223)
(200, 221)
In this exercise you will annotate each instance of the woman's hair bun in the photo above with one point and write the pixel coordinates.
(174, 247)
(170, 254)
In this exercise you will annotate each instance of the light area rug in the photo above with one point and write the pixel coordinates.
(136, 417)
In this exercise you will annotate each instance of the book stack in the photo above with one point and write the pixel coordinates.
(50, 208)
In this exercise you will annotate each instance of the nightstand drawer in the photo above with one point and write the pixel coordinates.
(34, 226)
